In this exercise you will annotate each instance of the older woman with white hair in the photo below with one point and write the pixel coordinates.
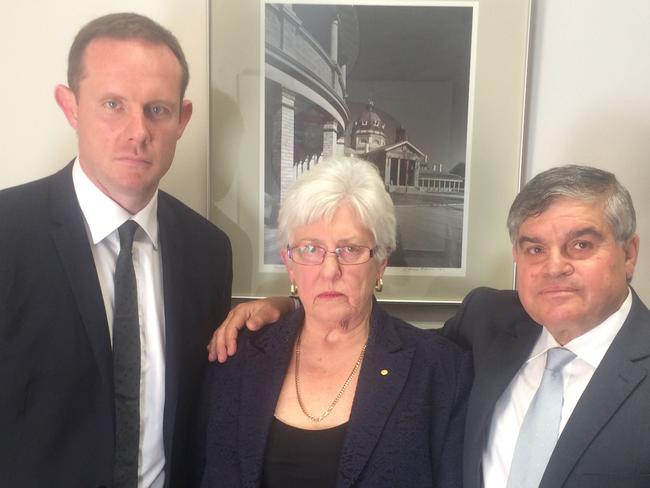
(338, 393)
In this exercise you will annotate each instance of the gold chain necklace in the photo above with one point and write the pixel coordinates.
(338, 395)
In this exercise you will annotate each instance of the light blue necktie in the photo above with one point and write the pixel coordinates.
(541, 426)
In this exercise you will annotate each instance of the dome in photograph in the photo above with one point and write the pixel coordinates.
(369, 120)
(368, 130)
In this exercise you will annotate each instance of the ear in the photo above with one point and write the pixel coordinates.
(67, 100)
(515, 253)
(631, 250)
(287, 263)
(381, 269)
(184, 117)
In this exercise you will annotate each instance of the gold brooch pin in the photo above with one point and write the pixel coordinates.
(384, 372)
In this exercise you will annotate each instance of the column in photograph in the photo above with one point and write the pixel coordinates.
(286, 116)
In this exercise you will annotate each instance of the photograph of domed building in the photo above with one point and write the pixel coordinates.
(386, 83)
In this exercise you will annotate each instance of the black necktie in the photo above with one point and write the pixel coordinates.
(126, 363)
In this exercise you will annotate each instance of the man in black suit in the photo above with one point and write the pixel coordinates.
(575, 247)
(59, 246)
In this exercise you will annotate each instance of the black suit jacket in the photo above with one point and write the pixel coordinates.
(56, 393)
(606, 442)
(405, 428)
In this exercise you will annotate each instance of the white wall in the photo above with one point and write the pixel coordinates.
(590, 97)
(35, 35)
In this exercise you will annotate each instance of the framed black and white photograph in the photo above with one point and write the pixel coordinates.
(385, 83)
(430, 92)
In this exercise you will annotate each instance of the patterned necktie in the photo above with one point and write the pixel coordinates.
(126, 363)
(541, 426)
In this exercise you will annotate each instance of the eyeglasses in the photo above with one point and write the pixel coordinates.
(311, 255)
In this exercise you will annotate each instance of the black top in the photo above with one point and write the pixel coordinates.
(299, 457)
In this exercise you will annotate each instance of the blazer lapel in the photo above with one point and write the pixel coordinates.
(375, 396)
(263, 373)
(71, 242)
(174, 290)
(494, 371)
(613, 381)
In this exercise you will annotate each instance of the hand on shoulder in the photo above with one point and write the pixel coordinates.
(254, 315)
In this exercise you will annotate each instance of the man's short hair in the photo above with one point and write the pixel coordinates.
(581, 183)
(122, 26)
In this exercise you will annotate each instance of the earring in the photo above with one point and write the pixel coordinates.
(379, 285)
(293, 289)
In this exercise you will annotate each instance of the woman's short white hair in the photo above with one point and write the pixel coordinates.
(317, 195)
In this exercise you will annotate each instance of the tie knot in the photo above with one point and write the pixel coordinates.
(127, 232)
(557, 358)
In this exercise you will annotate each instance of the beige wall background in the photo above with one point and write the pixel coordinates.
(588, 97)
(35, 139)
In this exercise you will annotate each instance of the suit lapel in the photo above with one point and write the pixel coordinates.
(494, 370)
(614, 380)
(375, 396)
(174, 290)
(71, 242)
(264, 369)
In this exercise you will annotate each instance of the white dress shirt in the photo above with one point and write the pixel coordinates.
(510, 409)
(103, 217)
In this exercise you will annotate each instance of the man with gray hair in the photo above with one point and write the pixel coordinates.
(109, 288)
(560, 395)
(574, 245)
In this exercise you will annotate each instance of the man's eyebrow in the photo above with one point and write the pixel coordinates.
(529, 240)
(574, 234)
(585, 232)
(162, 101)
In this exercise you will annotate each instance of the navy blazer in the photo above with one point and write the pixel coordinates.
(405, 428)
(56, 385)
(606, 441)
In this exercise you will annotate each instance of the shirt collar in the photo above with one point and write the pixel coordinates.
(593, 344)
(104, 216)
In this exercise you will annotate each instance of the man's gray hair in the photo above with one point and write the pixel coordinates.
(122, 25)
(319, 193)
(582, 183)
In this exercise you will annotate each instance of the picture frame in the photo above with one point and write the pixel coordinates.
(241, 89)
